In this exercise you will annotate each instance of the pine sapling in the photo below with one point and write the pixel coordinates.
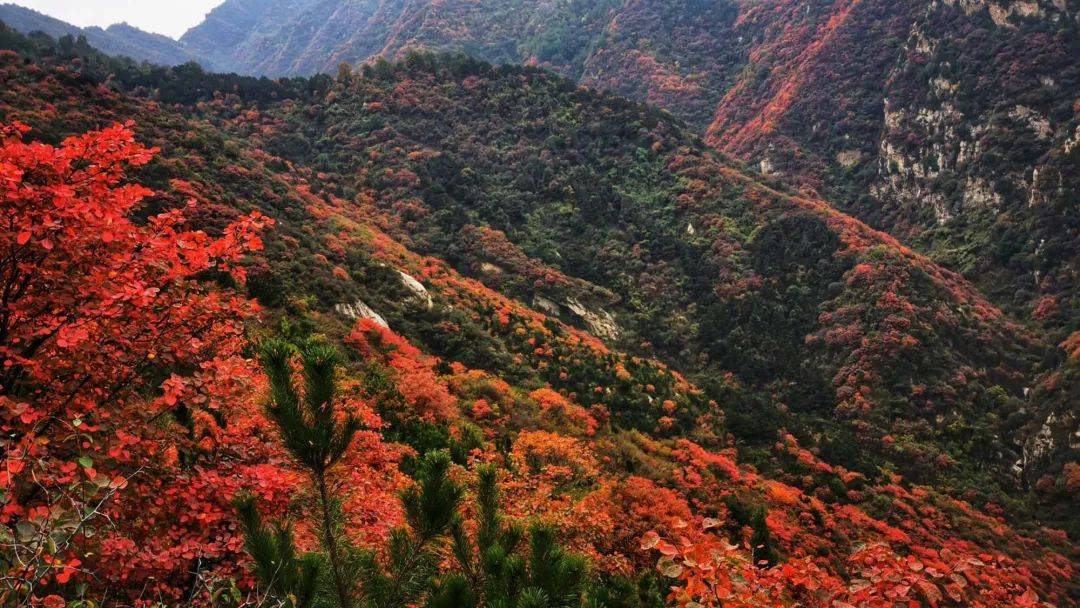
(311, 431)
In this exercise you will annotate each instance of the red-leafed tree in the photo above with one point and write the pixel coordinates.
(96, 310)
(712, 573)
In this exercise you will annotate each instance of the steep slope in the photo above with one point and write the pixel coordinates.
(288, 38)
(119, 39)
(949, 132)
(981, 180)
(220, 38)
(942, 123)
(955, 130)
(814, 74)
(680, 56)
(613, 217)
(605, 445)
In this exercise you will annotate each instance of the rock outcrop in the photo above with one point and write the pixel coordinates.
(359, 310)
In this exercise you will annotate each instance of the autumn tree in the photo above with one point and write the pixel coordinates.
(93, 307)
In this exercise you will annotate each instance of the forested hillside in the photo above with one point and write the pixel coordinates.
(946, 124)
(438, 333)
(949, 125)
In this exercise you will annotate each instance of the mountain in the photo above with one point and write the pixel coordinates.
(657, 349)
(643, 236)
(950, 129)
(680, 56)
(541, 205)
(454, 157)
(120, 39)
(236, 34)
(951, 126)
(272, 37)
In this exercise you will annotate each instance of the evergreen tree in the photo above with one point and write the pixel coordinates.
(764, 552)
(501, 566)
(311, 433)
(496, 573)
(431, 512)
(645, 591)
(290, 580)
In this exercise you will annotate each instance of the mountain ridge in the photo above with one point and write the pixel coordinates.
(769, 78)
(117, 39)
(809, 341)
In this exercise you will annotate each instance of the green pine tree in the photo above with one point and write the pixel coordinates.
(761, 541)
(644, 591)
(497, 571)
(501, 565)
(312, 434)
(290, 580)
(431, 512)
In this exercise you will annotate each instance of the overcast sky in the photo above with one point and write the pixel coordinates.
(169, 17)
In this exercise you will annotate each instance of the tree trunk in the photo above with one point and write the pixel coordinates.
(331, 543)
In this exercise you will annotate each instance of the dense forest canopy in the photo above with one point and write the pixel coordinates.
(434, 332)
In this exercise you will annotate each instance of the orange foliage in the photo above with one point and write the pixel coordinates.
(553, 456)
(428, 398)
(563, 414)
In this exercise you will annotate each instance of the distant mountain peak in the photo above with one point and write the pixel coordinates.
(121, 39)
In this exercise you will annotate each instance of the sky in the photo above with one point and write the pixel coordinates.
(169, 17)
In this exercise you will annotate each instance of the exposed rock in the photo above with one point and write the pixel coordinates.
(968, 150)
(893, 118)
(1041, 443)
(489, 268)
(1027, 8)
(1035, 196)
(922, 44)
(417, 290)
(944, 86)
(1035, 121)
(1072, 142)
(848, 158)
(1056, 433)
(937, 121)
(546, 306)
(359, 310)
(767, 167)
(979, 194)
(601, 324)
(941, 211)
(1000, 16)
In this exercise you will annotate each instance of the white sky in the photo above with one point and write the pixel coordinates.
(169, 17)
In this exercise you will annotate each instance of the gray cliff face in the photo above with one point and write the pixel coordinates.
(973, 150)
